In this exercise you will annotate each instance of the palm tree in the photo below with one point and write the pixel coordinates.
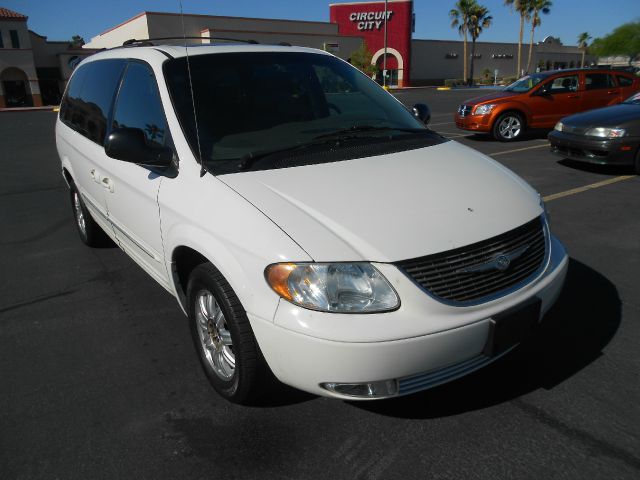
(460, 18)
(522, 7)
(479, 19)
(583, 40)
(536, 7)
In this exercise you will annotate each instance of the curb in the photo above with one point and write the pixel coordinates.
(50, 108)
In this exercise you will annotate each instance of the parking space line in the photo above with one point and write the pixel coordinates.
(442, 123)
(591, 186)
(517, 150)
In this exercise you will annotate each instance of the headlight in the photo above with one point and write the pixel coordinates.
(559, 126)
(606, 132)
(484, 109)
(333, 287)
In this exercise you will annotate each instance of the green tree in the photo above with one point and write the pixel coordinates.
(460, 19)
(361, 59)
(583, 43)
(522, 8)
(536, 7)
(624, 40)
(77, 41)
(479, 19)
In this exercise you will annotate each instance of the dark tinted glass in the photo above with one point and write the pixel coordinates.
(624, 81)
(594, 81)
(248, 103)
(1, 42)
(15, 40)
(89, 98)
(139, 104)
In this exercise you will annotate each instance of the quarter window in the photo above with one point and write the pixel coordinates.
(88, 101)
(595, 81)
(624, 81)
(139, 105)
(15, 40)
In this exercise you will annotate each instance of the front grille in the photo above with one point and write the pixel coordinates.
(477, 272)
(464, 110)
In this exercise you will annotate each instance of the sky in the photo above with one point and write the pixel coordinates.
(61, 19)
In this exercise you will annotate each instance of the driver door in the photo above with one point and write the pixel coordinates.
(555, 99)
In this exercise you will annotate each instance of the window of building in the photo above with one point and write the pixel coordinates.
(139, 104)
(1, 41)
(88, 101)
(594, 81)
(15, 40)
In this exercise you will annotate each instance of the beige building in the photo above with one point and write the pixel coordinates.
(322, 35)
(33, 71)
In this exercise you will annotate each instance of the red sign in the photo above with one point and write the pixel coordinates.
(366, 20)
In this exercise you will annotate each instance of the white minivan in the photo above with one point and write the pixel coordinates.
(309, 225)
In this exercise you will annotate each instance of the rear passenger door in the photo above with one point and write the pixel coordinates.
(86, 109)
(132, 194)
(600, 90)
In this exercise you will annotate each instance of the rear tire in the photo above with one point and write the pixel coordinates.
(89, 231)
(223, 337)
(509, 127)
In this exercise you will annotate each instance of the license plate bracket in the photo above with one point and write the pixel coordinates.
(511, 327)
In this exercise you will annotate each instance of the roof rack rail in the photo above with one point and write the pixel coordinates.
(133, 42)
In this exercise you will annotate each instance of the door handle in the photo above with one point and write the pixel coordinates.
(612, 92)
(95, 175)
(107, 183)
(573, 96)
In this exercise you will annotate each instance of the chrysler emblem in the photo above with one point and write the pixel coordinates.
(499, 262)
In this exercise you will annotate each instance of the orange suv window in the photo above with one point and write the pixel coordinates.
(624, 81)
(564, 84)
(593, 81)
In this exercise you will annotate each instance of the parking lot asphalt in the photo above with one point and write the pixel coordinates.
(99, 378)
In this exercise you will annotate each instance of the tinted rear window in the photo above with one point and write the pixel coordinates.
(594, 81)
(624, 81)
(89, 97)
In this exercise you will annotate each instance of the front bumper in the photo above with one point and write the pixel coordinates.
(474, 123)
(366, 348)
(618, 151)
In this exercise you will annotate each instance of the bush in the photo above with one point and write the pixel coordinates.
(453, 82)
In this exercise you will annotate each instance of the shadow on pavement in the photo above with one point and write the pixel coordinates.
(600, 169)
(573, 333)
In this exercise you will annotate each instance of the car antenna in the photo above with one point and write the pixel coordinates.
(193, 102)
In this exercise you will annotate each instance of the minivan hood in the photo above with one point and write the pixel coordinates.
(490, 96)
(391, 207)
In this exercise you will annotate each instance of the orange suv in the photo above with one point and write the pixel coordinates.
(541, 99)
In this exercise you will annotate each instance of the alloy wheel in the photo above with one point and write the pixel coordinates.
(215, 337)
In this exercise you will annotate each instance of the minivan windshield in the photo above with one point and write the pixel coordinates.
(525, 83)
(252, 104)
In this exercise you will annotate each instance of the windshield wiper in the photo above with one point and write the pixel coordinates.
(347, 132)
(247, 160)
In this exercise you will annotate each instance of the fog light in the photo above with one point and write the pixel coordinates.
(384, 388)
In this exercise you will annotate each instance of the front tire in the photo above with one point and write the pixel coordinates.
(223, 337)
(509, 127)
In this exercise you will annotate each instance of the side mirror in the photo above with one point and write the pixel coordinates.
(542, 91)
(129, 145)
(421, 112)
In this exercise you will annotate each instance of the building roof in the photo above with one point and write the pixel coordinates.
(7, 14)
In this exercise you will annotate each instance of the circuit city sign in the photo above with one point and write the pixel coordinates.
(369, 20)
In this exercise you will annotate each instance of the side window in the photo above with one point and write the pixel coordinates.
(594, 81)
(1, 42)
(564, 84)
(15, 40)
(139, 105)
(624, 81)
(89, 98)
